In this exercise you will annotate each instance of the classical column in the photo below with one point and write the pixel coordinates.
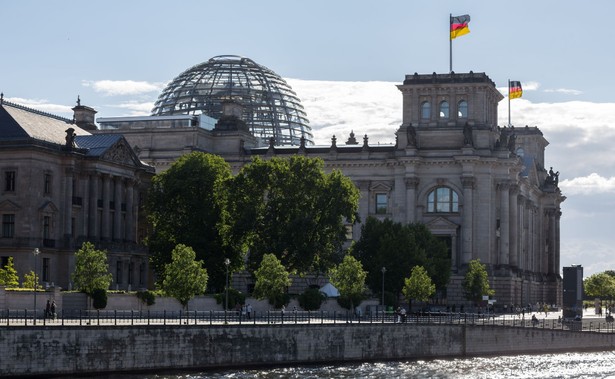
(514, 251)
(467, 227)
(363, 186)
(117, 216)
(106, 213)
(400, 207)
(93, 222)
(68, 202)
(411, 186)
(504, 222)
(556, 252)
(130, 232)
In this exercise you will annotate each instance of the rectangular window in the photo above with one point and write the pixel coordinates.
(8, 225)
(46, 262)
(46, 227)
(381, 203)
(47, 184)
(118, 272)
(9, 181)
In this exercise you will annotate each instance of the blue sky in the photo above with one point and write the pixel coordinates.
(343, 58)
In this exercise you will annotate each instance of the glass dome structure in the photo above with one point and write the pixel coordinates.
(270, 106)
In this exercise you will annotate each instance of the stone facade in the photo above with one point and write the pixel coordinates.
(482, 188)
(61, 186)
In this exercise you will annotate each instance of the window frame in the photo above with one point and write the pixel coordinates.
(425, 110)
(8, 225)
(440, 202)
(381, 207)
(465, 107)
(10, 180)
(444, 113)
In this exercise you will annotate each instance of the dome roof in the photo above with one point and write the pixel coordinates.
(270, 107)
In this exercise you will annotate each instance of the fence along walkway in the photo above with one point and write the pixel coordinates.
(27, 317)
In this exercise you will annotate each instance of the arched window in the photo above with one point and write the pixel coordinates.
(462, 109)
(425, 110)
(444, 109)
(442, 200)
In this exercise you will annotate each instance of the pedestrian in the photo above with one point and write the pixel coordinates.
(249, 311)
(52, 310)
(48, 309)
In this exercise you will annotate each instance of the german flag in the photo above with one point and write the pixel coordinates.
(459, 26)
(514, 90)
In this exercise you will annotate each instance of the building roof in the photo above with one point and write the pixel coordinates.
(19, 122)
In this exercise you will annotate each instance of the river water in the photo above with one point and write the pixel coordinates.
(564, 366)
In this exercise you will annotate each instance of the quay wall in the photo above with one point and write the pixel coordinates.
(54, 350)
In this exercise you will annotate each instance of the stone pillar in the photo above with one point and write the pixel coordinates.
(467, 227)
(411, 186)
(130, 212)
(68, 202)
(106, 213)
(504, 222)
(93, 223)
(363, 186)
(400, 208)
(514, 226)
(556, 250)
(117, 216)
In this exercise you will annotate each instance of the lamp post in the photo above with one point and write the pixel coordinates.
(227, 262)
(384, 269)
(36, 252)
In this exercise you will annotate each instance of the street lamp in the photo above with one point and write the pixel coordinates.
(226, 263)
(36, 252)
(384, 269)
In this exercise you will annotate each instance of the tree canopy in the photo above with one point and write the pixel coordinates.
(291, 208)
(184, 277)
(185, 205)
(8, 275)
(418, 286)
(91, 269)
(349, 278)
(601, 285)
(271, 280)
(475, 282)
(400, 247)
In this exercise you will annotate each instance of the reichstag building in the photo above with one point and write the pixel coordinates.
(482, 188)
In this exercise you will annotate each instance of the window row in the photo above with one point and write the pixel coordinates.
(440, 200)
(8, 226)
(45, 270)
(10, 180)
(444, 110)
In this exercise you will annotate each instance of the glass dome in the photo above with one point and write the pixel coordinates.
(270, 107)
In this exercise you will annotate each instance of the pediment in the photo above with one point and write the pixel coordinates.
(380, 186)
(122, 153)
(441, 224)
(48, 207)
(9, 206)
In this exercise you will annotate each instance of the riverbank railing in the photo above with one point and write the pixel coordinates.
(27, 317)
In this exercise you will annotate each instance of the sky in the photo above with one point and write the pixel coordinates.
(344, 59)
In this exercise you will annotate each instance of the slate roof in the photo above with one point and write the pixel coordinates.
(19, 122)
(97, 144)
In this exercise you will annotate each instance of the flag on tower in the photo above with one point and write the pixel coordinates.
(514, 90)
(459, 26)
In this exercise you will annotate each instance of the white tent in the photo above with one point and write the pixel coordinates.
(329, 290)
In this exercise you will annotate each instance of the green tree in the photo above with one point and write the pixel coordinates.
(601, 285)
(8, 275)
(349, 278)
(186, 205)
(271, 280)
(399, 248)
(184, 277)
(29, 279)
(475, 283)
(418, 286)
(291, 208)
(91, 269)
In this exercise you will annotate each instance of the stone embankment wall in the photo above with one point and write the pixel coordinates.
(46, 350)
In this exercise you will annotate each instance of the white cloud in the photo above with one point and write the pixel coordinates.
(587, 185)
(137, 109)
(565, 91)
(123, 87)
(42, 105)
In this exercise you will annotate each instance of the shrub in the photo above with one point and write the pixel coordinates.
(99, 298)
(345, 301)
(234, 297)
(149, 298)
(311, 299)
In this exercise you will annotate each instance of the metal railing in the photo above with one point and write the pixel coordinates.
(26, 317)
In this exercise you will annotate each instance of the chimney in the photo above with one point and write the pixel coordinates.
(84, 116)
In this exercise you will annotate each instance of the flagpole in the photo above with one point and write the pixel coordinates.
(450, 42)
(509, 103)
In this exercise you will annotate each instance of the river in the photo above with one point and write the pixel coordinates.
(564, 366)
